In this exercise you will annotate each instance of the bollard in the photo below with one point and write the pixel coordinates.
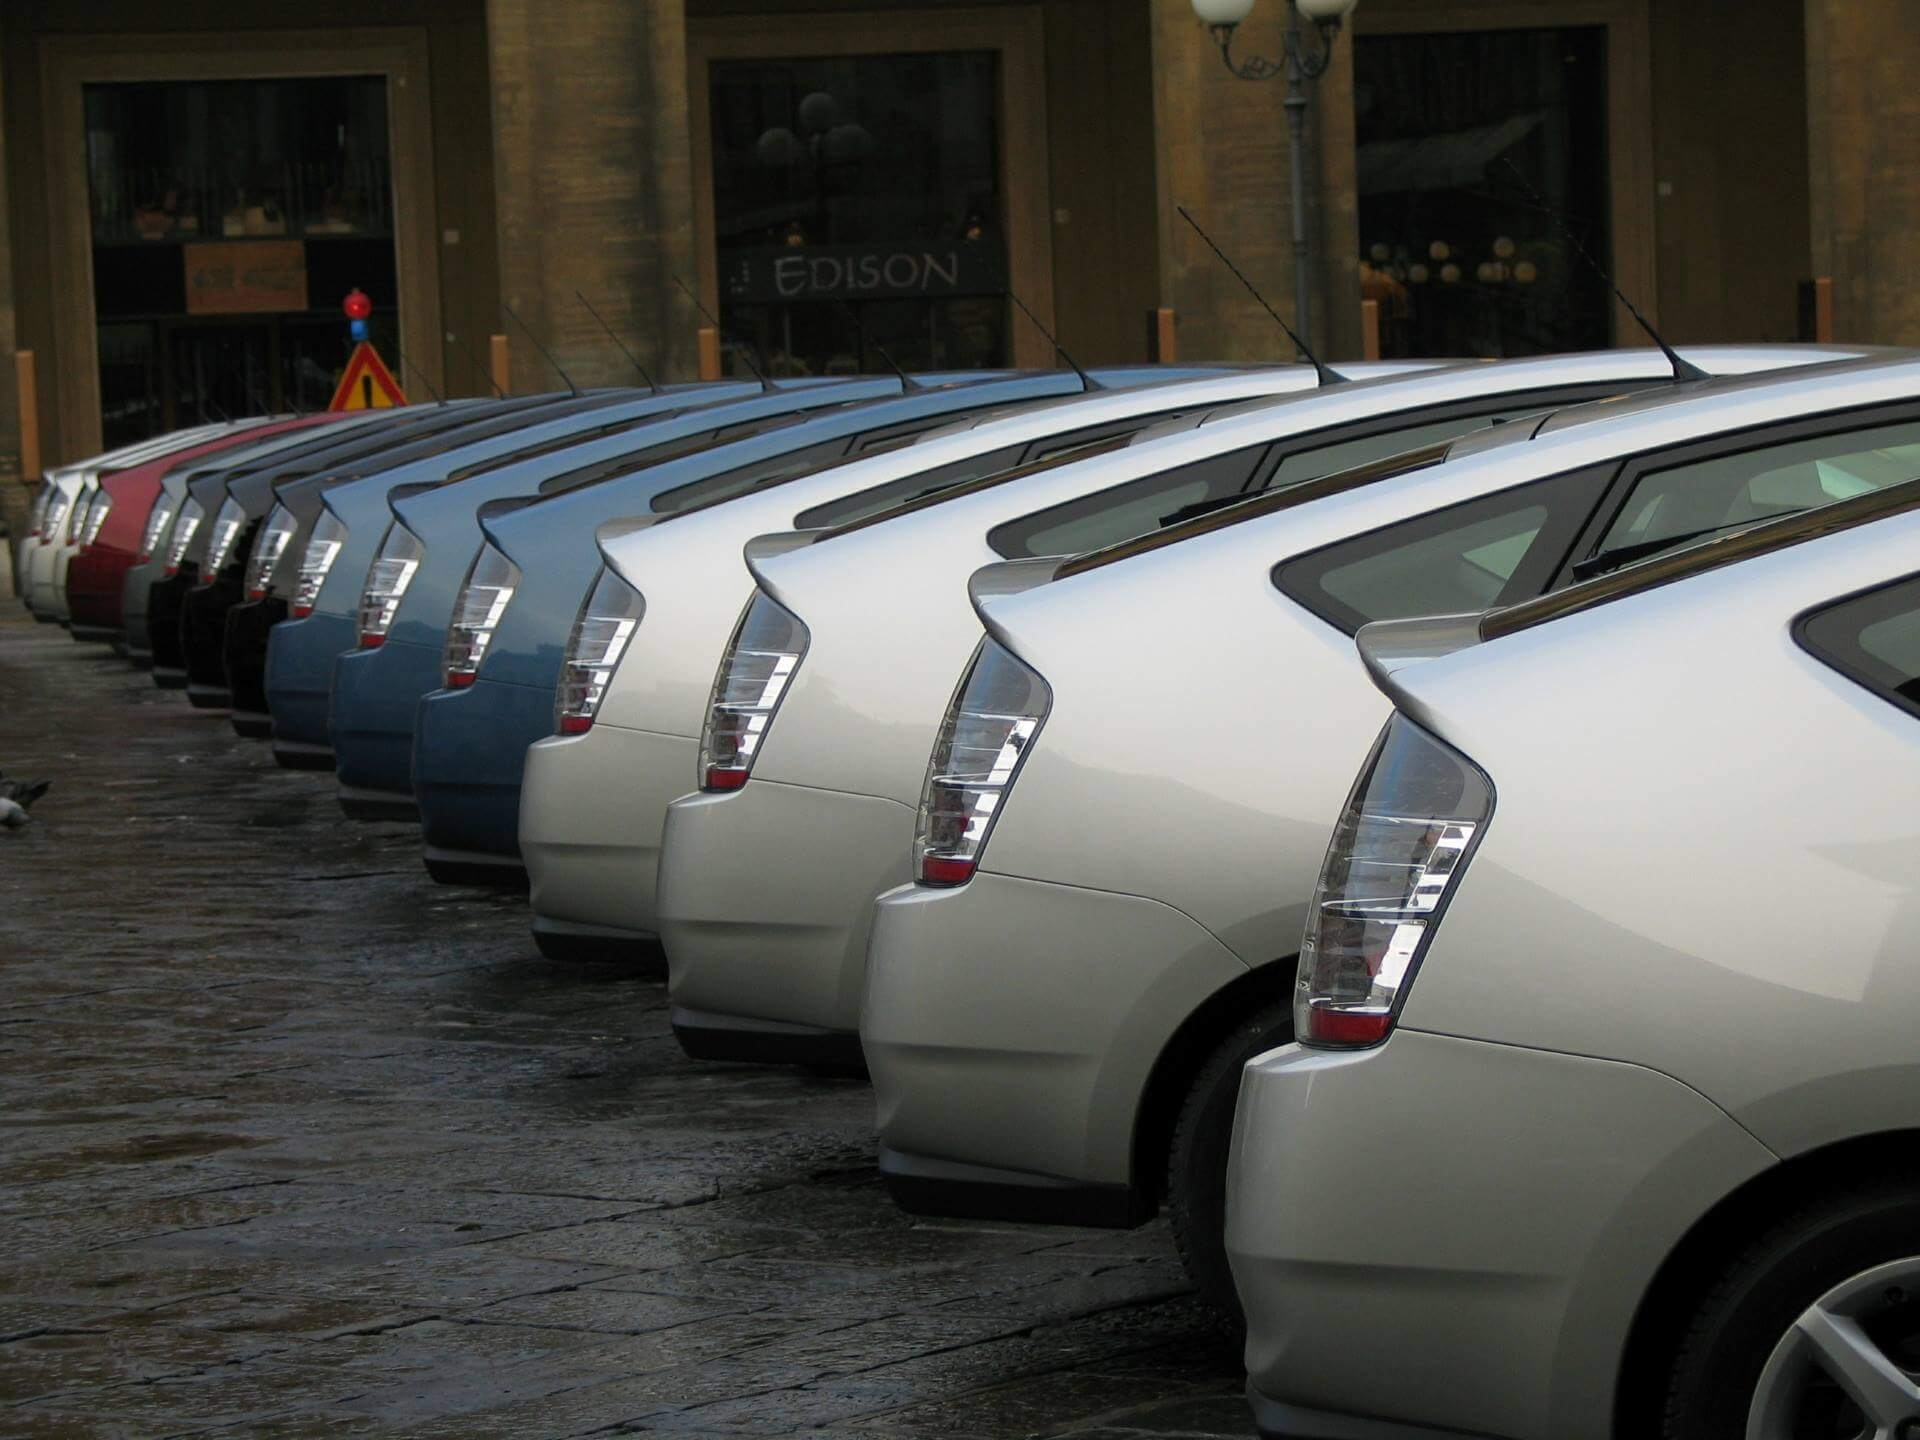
(29, 410)
(709, 353)
(500, 364)
(1370, 329)
(1163, 346)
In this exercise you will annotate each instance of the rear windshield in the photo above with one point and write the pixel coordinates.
(1872, 639)
(561, 442)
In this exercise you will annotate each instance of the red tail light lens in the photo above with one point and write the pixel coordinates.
(268, 546)
(611, 613)
(388, 577)
(96, 516)
(1403, 840)
(329, 535)
(989, 727)
(159, 519)
(483, 599)
(228, 521)
(183, 531)
(767, 647)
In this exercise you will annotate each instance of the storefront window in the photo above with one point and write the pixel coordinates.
(229, 220)
(1478, 153)
(868, 184)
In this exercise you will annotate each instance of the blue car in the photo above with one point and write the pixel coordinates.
(470, 742)
(352, 517)
(400, 623)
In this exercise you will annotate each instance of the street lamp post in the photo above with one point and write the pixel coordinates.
(1303, 61)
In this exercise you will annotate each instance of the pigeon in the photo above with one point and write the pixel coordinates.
(15, 798)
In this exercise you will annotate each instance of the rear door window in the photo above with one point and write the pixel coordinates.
(1873, 639)
(1493, 551)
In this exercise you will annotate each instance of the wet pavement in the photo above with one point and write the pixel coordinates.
(295, 1142)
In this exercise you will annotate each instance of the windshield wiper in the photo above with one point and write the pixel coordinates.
(1620, 555)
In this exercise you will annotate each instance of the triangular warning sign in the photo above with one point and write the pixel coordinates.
(367, 383)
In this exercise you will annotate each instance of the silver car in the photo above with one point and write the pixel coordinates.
(639, 669)
(827, 703)
(1606, 1123)
(1125, 814)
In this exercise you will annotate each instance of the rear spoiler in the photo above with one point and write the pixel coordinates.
(493, 510)
(765, 547)
(609, 531)
(1008, 577)
(1390, 646)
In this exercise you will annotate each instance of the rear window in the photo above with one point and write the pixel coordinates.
(1873, 639)
(1156, 502)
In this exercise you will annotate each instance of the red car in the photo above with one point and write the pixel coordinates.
(98, 569)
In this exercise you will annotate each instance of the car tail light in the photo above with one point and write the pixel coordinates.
(77, 517)
(483, 599)
(268, 546)
(606, 622)
(387, 581)
(228, 521)
(1407, 832)
(96, 516)
(323, 548)
(989, 728)
(56, 515)
(191, 514)
(158, 519)
(39, 516)
(767, 647)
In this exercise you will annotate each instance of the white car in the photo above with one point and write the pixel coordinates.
(1127, 807)
(768, 877)
(1606, 1126)
(639, 669)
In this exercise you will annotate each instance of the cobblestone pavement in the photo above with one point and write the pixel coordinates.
(294, 1142)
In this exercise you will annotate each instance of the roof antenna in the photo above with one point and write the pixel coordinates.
(1087, 382)
(420, 375)
(1682, 369)
(1328, 375)
(908, 384)
(721, 330)
(572, 388)
(479, 369)
(631, 358)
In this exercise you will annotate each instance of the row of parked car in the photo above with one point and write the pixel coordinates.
(985, 732)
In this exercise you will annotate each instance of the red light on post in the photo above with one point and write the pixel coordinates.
(357, 306)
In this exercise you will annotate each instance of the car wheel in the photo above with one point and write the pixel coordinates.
(1197, 1157)
(1813, 1332)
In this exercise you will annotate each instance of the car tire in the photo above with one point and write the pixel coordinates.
(1197, 1157)
(1855, 1255)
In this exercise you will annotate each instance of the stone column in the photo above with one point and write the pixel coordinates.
(1863, 133)
(592, 184)
(1223, 150)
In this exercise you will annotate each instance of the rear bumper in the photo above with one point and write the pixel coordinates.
(766, 896)
(1374, 1208)
(135, 590)
(593, 809)
(243, 652)
(300, 657)
(370, 723)
(94, 582)
(1012, 1025)
(469, 755)
(203, 634)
